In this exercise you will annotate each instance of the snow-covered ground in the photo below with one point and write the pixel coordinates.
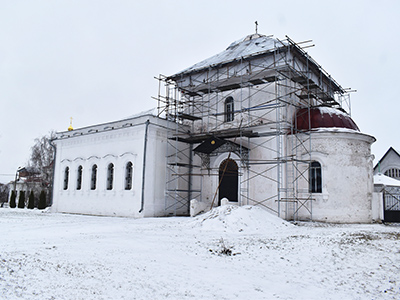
(228, 253)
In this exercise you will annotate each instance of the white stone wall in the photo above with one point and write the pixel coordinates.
(345, 157)
(118, 145)
(347, 181)
(256, 184)
(377, 207)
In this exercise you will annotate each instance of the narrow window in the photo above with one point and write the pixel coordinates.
(229, 109)
(93, 178)
(79, 178)
(315, 178)
(110, 176)
(66, 177)
(128, 176)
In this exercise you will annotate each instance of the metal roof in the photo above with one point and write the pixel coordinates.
(323, 117)
(391, 149)
(249, 46)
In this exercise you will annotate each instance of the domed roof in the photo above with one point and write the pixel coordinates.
(323, 117)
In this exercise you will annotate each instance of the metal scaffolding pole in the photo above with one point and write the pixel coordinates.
(269, 89)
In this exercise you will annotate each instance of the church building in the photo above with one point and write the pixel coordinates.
(261, 123)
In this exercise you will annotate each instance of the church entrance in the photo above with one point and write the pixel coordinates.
(229, 179)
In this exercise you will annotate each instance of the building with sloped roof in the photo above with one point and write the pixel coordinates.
(387, 184)
(389, 164)
(260, 123)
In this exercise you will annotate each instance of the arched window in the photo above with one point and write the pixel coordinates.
(393, 173)
(66, 177)
(128, 176)
(79, 178)
(110, 176)
(229, 109)
(315, 184)
(93, 179)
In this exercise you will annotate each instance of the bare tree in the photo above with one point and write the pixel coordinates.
(42, 156)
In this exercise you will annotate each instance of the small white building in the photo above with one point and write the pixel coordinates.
(112, 169)
(29, 180)
(389, 164)
(260, 123)
(387, 186)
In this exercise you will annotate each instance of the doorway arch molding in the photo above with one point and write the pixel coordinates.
(216, 163)
(228, 178)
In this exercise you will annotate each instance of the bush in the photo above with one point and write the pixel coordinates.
(42, 200)
(13, 204)
(4, 194)
(31, 201)
(21, 202)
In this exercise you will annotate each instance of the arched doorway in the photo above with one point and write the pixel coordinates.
(229, 181)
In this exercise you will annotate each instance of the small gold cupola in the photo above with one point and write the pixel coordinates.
(70, 128)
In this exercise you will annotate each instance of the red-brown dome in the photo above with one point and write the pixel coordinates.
(323, 117)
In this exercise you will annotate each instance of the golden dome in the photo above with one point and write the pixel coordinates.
(70, 128)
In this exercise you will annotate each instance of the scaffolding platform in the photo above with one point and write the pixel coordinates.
(286, 79)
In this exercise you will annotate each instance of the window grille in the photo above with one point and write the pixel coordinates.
(79, 178)
(393, 173)
(128, 176)
(94, 177)
(110, 176)
(315, 184)
(229, 109)
(66, 177)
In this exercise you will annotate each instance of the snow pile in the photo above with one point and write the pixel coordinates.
(234, 218)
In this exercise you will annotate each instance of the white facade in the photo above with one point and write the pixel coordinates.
(118, 143)
(235, 130)
(347, 181)
(278, 123)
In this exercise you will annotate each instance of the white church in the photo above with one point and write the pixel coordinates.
(260, 123)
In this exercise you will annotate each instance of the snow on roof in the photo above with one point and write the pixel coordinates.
(133, 120)
(153, 112)
(335, 129)
(323, 117)
(385, 180)
(250, 45)
(332, 111)
(234, 218)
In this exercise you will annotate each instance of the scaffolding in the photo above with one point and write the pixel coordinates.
(269, 87)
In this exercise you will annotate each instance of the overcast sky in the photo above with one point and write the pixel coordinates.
(95, 60)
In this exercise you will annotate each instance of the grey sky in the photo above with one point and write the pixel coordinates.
(95, 60)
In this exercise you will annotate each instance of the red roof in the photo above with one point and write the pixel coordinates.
(323, 117)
